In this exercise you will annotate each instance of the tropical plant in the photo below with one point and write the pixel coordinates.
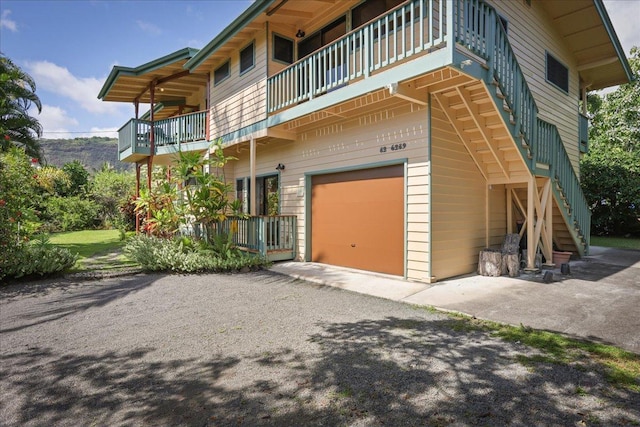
(610, 172)
(112, 191)
(17, 95)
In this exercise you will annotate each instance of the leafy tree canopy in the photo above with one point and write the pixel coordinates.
(610, 172)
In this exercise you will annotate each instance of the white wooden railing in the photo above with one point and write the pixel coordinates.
(411, 28)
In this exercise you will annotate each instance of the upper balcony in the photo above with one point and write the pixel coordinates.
(416, 28)
(170, 135)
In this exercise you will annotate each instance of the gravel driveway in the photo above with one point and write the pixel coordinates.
(264, 349)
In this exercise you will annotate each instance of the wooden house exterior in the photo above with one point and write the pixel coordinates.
(400, 137)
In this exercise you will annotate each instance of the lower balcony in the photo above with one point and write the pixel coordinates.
(274, 237)
(271, 236)
(187, 132)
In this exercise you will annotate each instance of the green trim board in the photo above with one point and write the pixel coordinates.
(117, 71)
(602, 11)
(159, 106)
(251, 13)
(431, 62)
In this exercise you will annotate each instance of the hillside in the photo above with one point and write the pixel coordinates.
(92, 152)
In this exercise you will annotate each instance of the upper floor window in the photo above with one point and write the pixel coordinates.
(247, 58)
(326, 35)
(221, 73)
(557, 73)
(371, 9)
(282, 49)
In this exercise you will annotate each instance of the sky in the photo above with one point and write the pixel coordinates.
(69, 48)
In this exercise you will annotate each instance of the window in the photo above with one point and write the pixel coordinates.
(331, 32)
(242, 193)
(371, 9)
(268, 194)
(557, 73)
(247, 58)
(221, 73)
(282, 49)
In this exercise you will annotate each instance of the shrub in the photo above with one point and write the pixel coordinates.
(181, 255)
(37, 258)
(71, 213)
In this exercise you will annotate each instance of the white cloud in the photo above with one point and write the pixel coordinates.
(83, 90)
(7, 23)
(149, 28)
(624, 16)
(108, 132)
(55, 122)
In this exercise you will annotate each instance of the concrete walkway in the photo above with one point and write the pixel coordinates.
(599, 300)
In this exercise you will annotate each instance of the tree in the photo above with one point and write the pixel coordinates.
(610, 172)
(17, 95)
(112, 190)
(78, 178)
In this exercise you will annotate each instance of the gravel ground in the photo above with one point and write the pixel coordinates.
(263, 349)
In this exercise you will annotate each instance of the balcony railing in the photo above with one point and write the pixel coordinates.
(413, 27)
(136, 134)
(583, 122)
(272, 236)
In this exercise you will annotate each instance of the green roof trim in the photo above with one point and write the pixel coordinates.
(232, 29)
(602, 11)
(161, 106)
(117, 71)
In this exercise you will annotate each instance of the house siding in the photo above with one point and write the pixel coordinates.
(240, 100)
(356, 143)
(531, 35)
(459, 210)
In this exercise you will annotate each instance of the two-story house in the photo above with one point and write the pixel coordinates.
(393, 136)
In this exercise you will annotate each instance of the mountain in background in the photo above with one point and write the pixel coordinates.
(92, 152)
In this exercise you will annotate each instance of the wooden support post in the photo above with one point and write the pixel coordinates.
(253, 199)
(509, 210)
(532, 244)
(138, 166)
(549, 229)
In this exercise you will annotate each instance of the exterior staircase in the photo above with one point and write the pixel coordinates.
(478, 30)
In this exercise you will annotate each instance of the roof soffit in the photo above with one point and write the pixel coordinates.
(586, 29)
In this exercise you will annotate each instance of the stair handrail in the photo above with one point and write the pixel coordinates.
(479, 29)
(568, 185)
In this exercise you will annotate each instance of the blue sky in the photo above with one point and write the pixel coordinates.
(69, 48)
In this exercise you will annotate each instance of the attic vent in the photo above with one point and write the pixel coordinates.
(557, 74)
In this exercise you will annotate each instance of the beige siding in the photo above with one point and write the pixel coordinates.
(240, 100)
(531, 36)
(352, 143)
(458, 203)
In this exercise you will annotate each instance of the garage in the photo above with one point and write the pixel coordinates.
(357, 219)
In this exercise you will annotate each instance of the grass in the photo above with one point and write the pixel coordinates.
(616, 242)
(621, 367)
(94, 247)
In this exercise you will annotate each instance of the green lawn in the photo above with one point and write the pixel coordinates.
(616, 242)
(97, 249)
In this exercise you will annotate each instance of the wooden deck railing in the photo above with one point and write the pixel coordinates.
(272, 236)
(136, 133)
(413, 27)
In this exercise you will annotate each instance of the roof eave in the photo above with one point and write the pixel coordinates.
(602, 11)
(117, 71)
(251, 13)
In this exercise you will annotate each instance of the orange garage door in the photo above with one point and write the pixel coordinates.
(357, 219)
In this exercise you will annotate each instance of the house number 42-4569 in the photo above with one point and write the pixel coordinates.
(394, 147)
